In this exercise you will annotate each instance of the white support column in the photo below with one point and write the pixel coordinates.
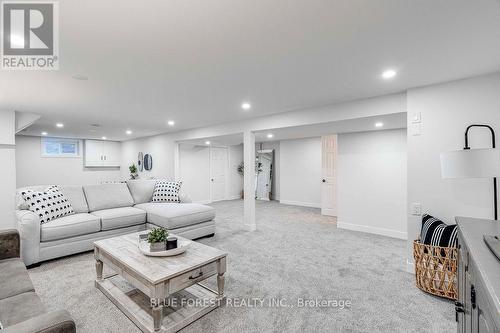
(177, 173)
(249, 180)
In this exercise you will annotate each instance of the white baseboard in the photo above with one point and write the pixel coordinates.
(328, 212)
(234, 197)
(300, 203)
(410, 267)
(373, 230)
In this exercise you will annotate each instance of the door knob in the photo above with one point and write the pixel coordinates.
(323, 180)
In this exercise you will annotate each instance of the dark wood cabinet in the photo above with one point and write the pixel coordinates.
(478, 307)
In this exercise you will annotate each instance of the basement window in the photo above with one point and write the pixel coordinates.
(57, 147)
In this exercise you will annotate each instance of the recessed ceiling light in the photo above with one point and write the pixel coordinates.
(171, 123)
(60, 125)
(104, 138)
(44, 133)
(389, 74)
(246, 106)
(270, 135)
(379, 124)
(207, 142)
(128, 132)
(80, 77)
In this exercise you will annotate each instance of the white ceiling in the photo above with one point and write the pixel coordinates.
(390, 121)
(196, 61)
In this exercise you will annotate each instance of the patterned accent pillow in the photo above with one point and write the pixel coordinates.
(49, 204)
(436, 233)
(166, 191)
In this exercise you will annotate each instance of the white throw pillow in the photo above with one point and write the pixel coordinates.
(166, 191)
(49, 204)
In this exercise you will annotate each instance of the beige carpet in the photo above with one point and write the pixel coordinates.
(295, 254)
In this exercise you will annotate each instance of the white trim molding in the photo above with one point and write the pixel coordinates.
(300, 203)
(410, 266)
(373, 230)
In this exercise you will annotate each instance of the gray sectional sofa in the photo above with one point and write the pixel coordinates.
(103, 211)
(21, 310)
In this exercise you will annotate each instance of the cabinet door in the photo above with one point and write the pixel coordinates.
(461, 285)
(93, 153)
(111, 153)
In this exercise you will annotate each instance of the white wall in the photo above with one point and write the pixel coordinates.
(372, 182)
(194, 170)
(300, 172)
(33, 169)
(446, 110)
(7, 169)
(160, 147)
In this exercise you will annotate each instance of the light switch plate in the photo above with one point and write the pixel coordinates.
(416, 209)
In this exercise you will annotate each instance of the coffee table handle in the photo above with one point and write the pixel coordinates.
(195, 277)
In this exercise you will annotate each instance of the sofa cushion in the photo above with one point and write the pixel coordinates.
(106, 196)
(76, 197)
(74, 194)
(70, 226)
(14, 278)
(437, 233)
(177, 215)
(141, 190)
(166, 191)
(49, 204)
(19, 308)
(120, 217)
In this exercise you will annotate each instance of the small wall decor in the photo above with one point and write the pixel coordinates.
(139, 161)
(148, 162)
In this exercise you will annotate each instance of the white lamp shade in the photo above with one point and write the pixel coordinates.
(471, 163)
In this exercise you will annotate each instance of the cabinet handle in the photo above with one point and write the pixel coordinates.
(105, 157)
(473, 296)
(200, 274)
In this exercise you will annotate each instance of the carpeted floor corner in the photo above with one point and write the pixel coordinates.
(296, 254)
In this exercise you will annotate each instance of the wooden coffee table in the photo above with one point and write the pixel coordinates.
(159, 293)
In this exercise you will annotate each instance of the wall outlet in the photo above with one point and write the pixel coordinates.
(416, 129)
(416, 209)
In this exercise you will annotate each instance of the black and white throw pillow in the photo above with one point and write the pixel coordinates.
(48, 205)
(437, 233)
(166, 191)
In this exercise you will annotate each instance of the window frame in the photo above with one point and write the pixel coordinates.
(60, 142)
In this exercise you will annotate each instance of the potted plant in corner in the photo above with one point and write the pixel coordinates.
(241, 171)
(157, 239)
(133, 172)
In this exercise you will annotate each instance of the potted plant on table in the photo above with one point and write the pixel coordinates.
(157, 239)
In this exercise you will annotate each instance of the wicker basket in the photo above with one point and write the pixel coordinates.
(436, 269)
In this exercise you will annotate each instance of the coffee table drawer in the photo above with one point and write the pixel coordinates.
(189, 278)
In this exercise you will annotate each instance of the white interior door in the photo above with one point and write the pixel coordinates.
(329, 175)
(218, 173)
